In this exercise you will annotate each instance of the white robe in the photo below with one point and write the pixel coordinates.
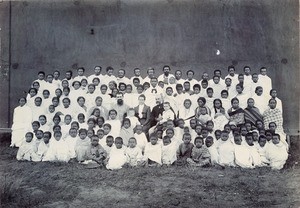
(58, 151)
(277, 155)
(26, 151)
(226, 153)
(214, 154)
(153, 152)
(134, 155)
(242, 156)
(117, 158)
(22, 119)
(168, 156)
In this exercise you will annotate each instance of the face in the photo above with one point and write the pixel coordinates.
(137, 72)
(169, 91)
(100, 134)
(241, 78)
(216, 79)
(110, 72)
(22, 101)
(150, 73)
(38, 102)
(39, 135)
(224, 136)
(187, 86)
(73, 132)
(255, 78)
(84, 83)
(217, 104)
(166, 141)
(198, 143)
(141, 100)
(80, 72)
(76, 85)
(58, 92)
(90, 133)
(103, 90)
(126, 124)
(81, 102)
(186, 139)
(91, 88)
(41, 76)
(97, 70)
(170, 133)
(118, 144)
(128, 89)
(272, 127)
(109, 142)
(235, 104)
(247, 70)
(205, 76)
(121, 73)
(274, 93)
(244, 131)
(153, 140)
(56, 75)
(98, 101)
(218, 135)
(35, 126)
(250, 103)
(106, 130)
(49, 78)
(82, 135)
(166, 106)
(263, 71)
(91, 124)
(237, 139)
(249, 140)
(42, 120)
(132, 143)
(203, 111)
(190, 75)
(28, 137)
(209, 142)
(255, 136)
(153, 82)
(187, 104)
(204, 133)
(95, 141)
(166, 71)
(66, 103)
(68, 75)
(57, 136)
(32, 92)
(259, 91)
(178, 75)
(231, 71)
(65, 83)
(239, 89)
(262, 142)
(193, 123)
(272, 104)
(228, 82)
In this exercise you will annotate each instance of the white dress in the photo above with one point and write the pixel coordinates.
(117, 158)
(22, 119)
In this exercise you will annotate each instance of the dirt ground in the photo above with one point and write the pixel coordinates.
(28, 184)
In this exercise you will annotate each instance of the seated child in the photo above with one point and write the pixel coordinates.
(255, 157)
(204, 117)
(214, 155)
(58, 149)
(43, 146)
(168, 149)
(200, 154)
(95, 152)
(262, 150)
(133, 153)
(71, 140)
(26, 150)
(140, 137)
(82, 145)
(100, 134)
(277, 153)
(108, 145)
(114, 122)
(185, 150)
(43, 123)
(153, 152)
(241, 153)
(226, 150)
(39, 135)
(117, 157)
(131, 116)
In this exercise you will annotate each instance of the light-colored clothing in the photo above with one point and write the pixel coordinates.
(226, 153)
(81, 147)
(153, 152)
(242, 156)
(117, 158)
(126, 134)
(169, 153)
(134, 156)
(26, 151)
(58, 151)
(277, 155)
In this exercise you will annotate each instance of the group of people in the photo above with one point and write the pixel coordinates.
(166, 119)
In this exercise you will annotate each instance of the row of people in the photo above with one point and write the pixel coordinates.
(229, 147)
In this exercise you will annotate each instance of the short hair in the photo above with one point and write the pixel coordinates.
(82, 131)
(83, 69)
(43, 116)
(190, 71)
(98, 67)
(230, 67)
(233, 99)
(198, 138)
(107, 124)
(119, 139)
(41, 72)
(202, 99)
(57, 132)
(109, 137)
(169, 129)
(132, 138)
(48, 133)
(278, 135)
(30, 134)
(196, 86)
(143, 96)
(109, 68)
(76, 82)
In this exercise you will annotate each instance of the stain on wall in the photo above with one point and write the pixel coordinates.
(184, 34)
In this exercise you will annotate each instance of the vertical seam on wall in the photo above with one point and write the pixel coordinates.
(9, 66)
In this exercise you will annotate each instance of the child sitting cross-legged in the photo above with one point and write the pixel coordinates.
(168, 151)
(95, 153)
(185, 150)
(26, 150)
(134, 154)
(153, 152)
(200, 154)
(117, 157)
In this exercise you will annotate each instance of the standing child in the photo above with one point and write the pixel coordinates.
(200, 154)
(185, 150)
(117, 157)
(133, 153)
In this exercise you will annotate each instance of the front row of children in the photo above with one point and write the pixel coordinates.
(230, 149)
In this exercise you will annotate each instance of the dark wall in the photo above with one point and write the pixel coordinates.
(183, 34)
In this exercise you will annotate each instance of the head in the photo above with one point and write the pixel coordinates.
(28, 137)
(166, 140)
(272, 103)
(187, 103)
(249, 139)
(262, 140)
(112, 114)
(38, 101)
(42, 119)
(39, 134)
(109, 140)
(235, 103)
(73, 132)
(153, 139)
(209, 141)
(57, 135)
(132, 142)
(47, 137)
(198, 142)
(82, 133)
(224, 135)
(276, 138)
(186, 138)
(166, 70)
(94, 140)
(237, 139)
(126, 123)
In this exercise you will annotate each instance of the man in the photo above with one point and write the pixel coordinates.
(166, 75)
(120, 107)
(150, 74)
(157, 110)
(97, 73)
(121, 77)
(143, 113)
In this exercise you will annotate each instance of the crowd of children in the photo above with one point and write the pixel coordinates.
(116, 121)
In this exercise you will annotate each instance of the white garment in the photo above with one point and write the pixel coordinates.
(277, 155)
(141, 140)
(134, 155)
(169, 153)
(226, 153)
(58, 151)
(242, 156)
(153, 152)
(117, 158)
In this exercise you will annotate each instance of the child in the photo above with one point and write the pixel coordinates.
(66, 126)
(168, 149)
(226, 150)
(100, 134)
(200, 154)
(39, 135)
(71, 140)
(153, 152)
(26, 150)
(131, 116)
(126, 131)
(276, 153)
(204, 117)
(185, 150)
(241, 153)
(140, 137)
(117, 157)
(254, 154)
(95, 152)
(43, 123)
(133, 153)
(58, 149)
(108, 145)
(82, 145)
(262, 150)
(214, 155)
(43, 146)
(113, 121)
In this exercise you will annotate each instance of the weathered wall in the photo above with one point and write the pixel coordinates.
(184, 34)
(4, 64)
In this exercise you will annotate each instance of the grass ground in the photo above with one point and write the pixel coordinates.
(28, 184)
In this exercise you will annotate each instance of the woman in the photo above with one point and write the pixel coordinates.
(252, 113)
(236, 114)
(22, 119)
